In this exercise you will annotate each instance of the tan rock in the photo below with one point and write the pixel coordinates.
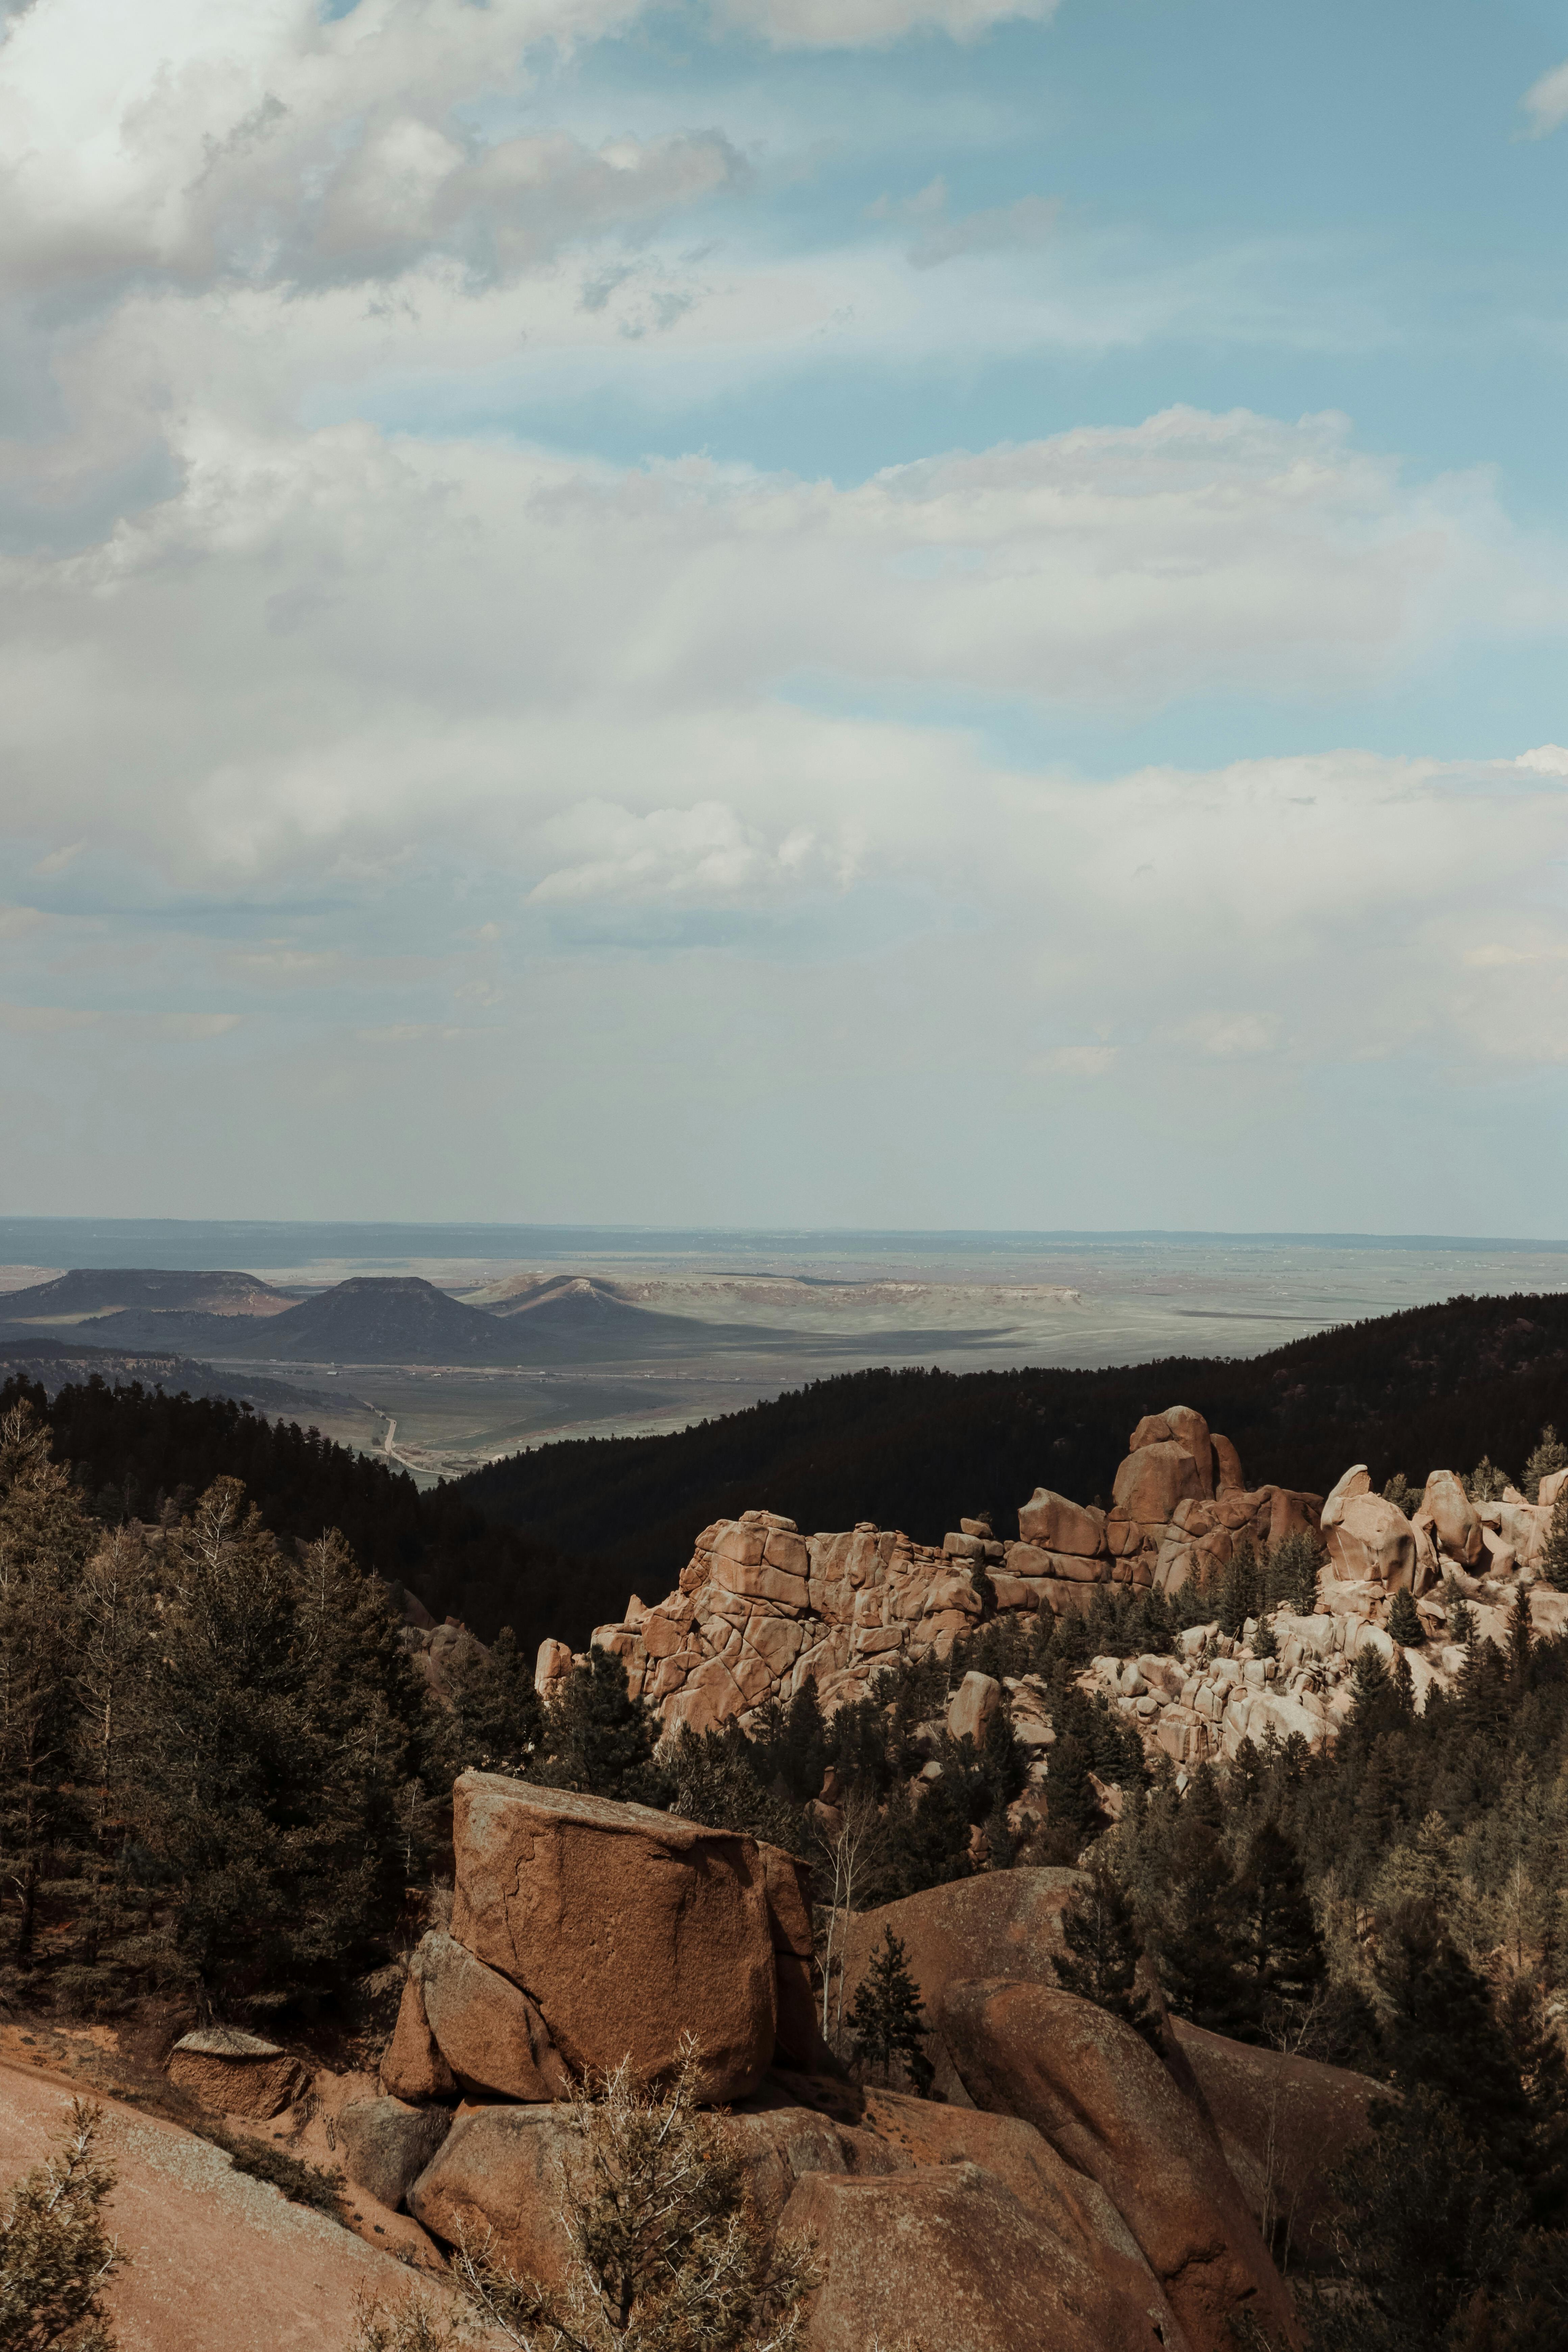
(1008, 1923)
(489, 2034)
(1286, 2123)
(973, 2269)
(1153, 1481)
(1153, 1430)
(1357, 1480)
(1190, 1429)
(1054, 1524)
(1453, 1516)
(386, 2145)
(236, 2074)
(1372, 1541)
(1551, 1488)
(499, 2173)
(628, 1929)
(1032, 1561)
(973, 1706)
(413, 2068)
(1228, 1476)
(552, 1665)
(1096, 2092)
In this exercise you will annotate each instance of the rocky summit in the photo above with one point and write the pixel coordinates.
(761, 1609)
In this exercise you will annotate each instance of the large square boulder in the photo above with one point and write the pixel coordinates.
(629, 1929)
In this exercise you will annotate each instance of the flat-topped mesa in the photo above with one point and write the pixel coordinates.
(761, 1609)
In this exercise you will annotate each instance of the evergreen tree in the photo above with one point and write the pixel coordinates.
(1238, 1591)
(1550, 1454)
(45, 1540)
(1101, 1963)
(602, 1739)
(887, 2017)
(1001, 1839)
(925, 1842)
(1555, 1560)
(715, 1780)
(1291, 1573)
(1263, 1644)
(496, 1720)
(1405, 1624)
(1279, 1953)
(1442, 2035)
(805, 1748)
(1071, 1805)
(1535, 2057)
(1198, 1938)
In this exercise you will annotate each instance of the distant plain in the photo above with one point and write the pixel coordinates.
(604, 1350)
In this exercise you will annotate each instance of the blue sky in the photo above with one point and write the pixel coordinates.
(593, 595)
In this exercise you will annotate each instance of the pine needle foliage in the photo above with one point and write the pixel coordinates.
(667, 2253)
(887, 2017)
(56, 2256)
(1104, 1951)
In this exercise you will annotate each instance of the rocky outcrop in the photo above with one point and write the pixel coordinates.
(971, 2261)
(236, 2074)
(485, 2032)
(386, 2145)
(761, 1609)
(1097, 2093)
(1286, 2123)
(627, 1928)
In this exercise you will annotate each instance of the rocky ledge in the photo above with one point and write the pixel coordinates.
(761, 1609)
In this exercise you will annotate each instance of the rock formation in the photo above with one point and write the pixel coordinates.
(1071, 2191)
(760, 1609)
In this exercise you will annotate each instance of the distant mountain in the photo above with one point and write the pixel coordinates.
(376, 1319)
(94, 1290)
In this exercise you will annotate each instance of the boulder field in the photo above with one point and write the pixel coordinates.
(1072, 2193)
(761, 1609)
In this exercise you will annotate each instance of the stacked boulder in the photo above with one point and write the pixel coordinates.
(761, 1609)
(1071, 2191)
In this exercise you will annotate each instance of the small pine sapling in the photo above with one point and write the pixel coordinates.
(1264, 1643)
(1405, 1624)
(56, 2256)
(887, 2018)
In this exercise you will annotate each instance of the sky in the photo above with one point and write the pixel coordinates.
(933, 613)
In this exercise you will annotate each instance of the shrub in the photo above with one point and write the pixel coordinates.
(668, 2252)
(55, 2257)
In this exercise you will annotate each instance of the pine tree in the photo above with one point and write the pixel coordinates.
(1238, 1591)
(1263, 1644)
(1535, 2054)
(1279, 1951)
(1486, 1480)
(601, 1739)
(805, 1755)
(1549, 1455)
(1290, 1574)
(1101, 1963)
(1405, 1624)
(1555, 1560)
(1198, 1934)
(45, 1540)
(56, 2256)
(1442, 2035)
(925, 1841)
(887, 2017)
(496, 1720)
(230, 1804)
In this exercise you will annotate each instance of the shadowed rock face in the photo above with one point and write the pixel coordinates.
(628, 1929)
(1102, 2099)
(1285, 2124)
(948, 2257)
(489, 2037)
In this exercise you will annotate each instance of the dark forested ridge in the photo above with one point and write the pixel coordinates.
(915, 1449)
(138, 1454)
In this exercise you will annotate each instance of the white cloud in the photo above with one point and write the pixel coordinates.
(858, 24)
(327, 649)
(204, 140)
(1546, 101)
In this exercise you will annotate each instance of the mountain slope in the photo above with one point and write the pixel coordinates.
(915, 1449)
(93, 1290)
